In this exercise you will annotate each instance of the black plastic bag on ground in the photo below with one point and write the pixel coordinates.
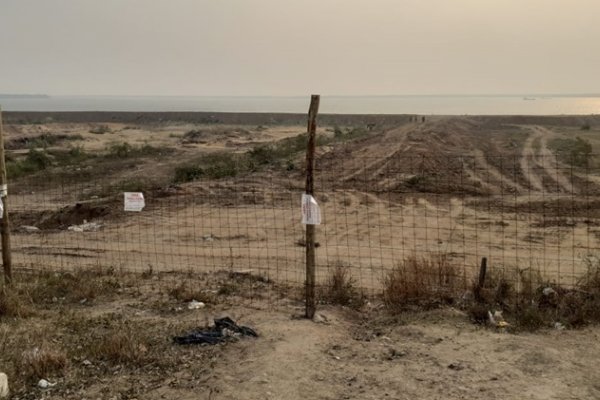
(224, 329)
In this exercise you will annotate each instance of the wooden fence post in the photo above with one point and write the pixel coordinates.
(481, 280)
(4, 223)
(310, 188)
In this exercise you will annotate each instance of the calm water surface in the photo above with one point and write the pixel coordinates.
(441, 105)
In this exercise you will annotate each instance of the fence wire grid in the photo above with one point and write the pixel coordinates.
(523, 213)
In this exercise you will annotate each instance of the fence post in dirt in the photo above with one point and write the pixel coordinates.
(310, 188)
(4, 223)
(481, 280)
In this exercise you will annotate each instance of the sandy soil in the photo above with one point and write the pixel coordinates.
(427, 355)
(464, 187)
(480, 196)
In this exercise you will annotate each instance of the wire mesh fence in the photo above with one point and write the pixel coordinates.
(531, 213)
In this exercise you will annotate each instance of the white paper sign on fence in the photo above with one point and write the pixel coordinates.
(134, 201)
(311, 213)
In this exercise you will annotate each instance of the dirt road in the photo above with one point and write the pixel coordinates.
(436, 355)
(538, 161)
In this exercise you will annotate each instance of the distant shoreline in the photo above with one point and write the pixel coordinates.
(388, 105)
(260, 118)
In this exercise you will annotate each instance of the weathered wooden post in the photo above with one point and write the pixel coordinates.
(310, 188)
(4, 223)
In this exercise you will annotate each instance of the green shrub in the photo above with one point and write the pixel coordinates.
(74, 155)
(337, 132)
(36, 160)
(214, 166)
(576, 151)
(100, 130)
(188, 173)
(126, 150)
(264, 155)
(119, 150)
(220, 165)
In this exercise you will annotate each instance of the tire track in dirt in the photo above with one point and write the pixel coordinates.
(381, 163)
(492, 173)
(528, 164)
(591, 179)
(549, 162)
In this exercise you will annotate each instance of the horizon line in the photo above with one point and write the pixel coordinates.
(307, 95)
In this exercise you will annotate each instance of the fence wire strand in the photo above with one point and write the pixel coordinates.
(532, 214)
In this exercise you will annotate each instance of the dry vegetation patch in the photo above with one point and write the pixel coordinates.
(422, 281)
(340, 288)
(529, 302)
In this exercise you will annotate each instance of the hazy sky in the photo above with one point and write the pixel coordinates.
(296, 47)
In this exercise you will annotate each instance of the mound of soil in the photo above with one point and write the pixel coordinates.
(424, 158)
(71, 215)
(25, 142)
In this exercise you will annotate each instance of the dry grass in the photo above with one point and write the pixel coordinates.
(71, 286)
(530, 303)
(14, 304)
(42, 362)
(421, 280)
(121, 346)
(498, 289)
(185, 293)
(340, 288)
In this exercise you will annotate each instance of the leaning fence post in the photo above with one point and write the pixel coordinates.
(4, 223)
(310, 188)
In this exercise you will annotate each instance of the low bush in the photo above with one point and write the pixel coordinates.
(184, 293)
(42, 362)
(100, 129)
(35, 161)
(213, 166)
(121, 345)
(576, 151)
(126, 150)
(340, 288)
(14, 304)
(422, 280)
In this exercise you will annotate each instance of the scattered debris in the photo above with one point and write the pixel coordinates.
(3, 385)
(78, 214)
(491, 318)
(29, 228)
(44, 384)
(195, 305)
(320, 319)
(456, 366)
(224, 329)
(241, 272)
(497, 320)
(85, 227)
(302, 243)
(393, 354)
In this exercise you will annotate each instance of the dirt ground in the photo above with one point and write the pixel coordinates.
(467, 187)
(346, 354)
(462, 187)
